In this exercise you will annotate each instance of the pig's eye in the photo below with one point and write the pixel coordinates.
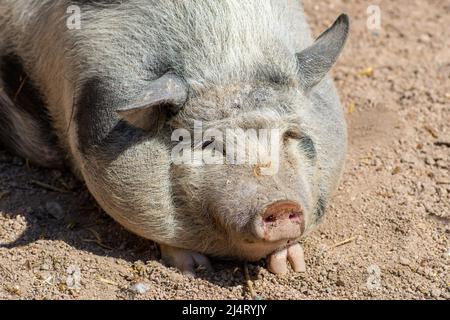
(207, 143)
(292, 134)
(306, 144)
(218, 145)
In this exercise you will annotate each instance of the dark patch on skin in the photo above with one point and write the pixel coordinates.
(307, 145)
(101, 132)
(97, 3)
(33, 137)
(272, 74)
(19, 87)
(321, 208)
(94, 113)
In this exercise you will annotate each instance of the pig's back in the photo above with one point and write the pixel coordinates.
(121, 46)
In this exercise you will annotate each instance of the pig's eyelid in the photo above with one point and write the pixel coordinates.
(293, 134)
(207, 143)
(203, 144)
(197, 146)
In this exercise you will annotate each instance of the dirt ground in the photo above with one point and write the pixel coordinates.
(386, 235)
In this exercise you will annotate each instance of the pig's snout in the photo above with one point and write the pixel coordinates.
(281, 220)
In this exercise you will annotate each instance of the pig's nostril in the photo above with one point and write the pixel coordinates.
(282, 220)
(270, 219)
(282, 210)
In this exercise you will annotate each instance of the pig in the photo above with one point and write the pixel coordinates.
(101, 86)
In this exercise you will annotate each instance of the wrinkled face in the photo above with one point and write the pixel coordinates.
(251, 207)
(247, 167)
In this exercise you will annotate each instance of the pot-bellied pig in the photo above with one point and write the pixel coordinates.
(125, 92)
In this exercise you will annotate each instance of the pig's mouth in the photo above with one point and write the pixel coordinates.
(280, 221)
(274, 235)
(277, 254)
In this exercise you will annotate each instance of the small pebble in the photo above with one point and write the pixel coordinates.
(139, 288)
(404, 261)
(340, 283)
(55, 210)
(17, 161)
(436, 293)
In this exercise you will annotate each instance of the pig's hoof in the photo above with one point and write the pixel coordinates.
(277, 261)
(186, 261)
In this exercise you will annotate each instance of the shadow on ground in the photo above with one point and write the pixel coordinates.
(56, 206)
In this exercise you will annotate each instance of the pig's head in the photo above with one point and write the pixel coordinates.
(246, 165)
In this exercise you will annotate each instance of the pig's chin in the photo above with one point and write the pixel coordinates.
(254, 251)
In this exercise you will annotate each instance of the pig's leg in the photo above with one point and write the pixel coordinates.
(277, 261)
(185, 260)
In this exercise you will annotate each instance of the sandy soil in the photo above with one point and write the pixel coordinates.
(386, 234)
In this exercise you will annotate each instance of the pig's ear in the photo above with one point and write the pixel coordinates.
(315, 62)
(166, 94)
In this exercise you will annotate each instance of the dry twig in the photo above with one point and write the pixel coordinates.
(48, 186)
(347, 241)
(249, 282)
